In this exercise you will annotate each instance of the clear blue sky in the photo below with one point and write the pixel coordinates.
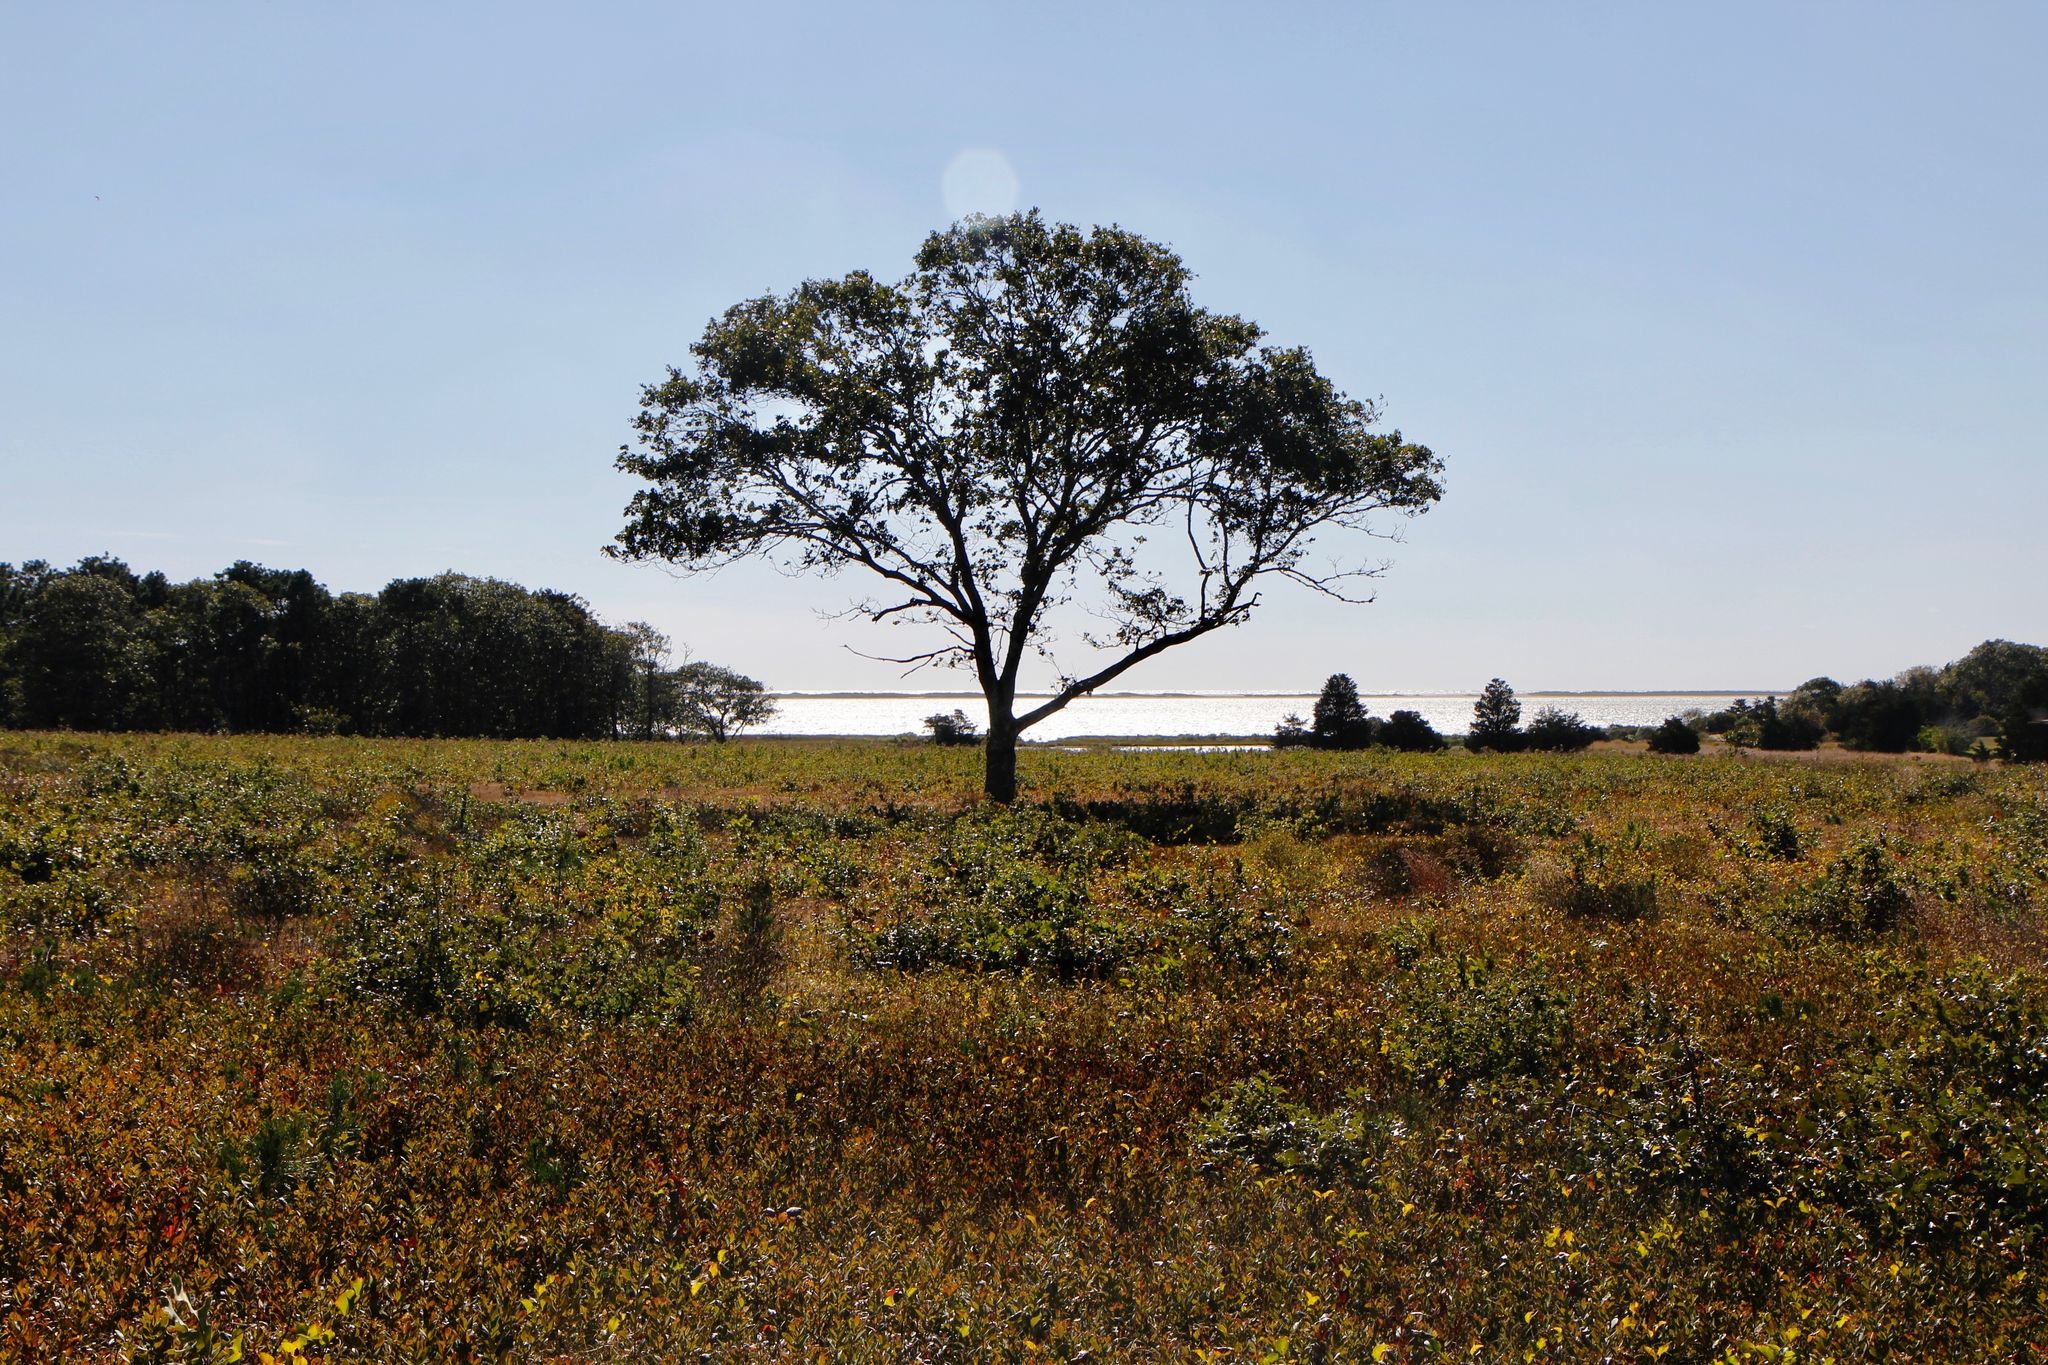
(1730, 322)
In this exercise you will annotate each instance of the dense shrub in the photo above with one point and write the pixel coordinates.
(2023, 725)
(1600, 879)
(1254, 1121)
(1674, 736)
(1293, 733)
(1859, 896)
(953, 728)
(1766, 726)
(1959, 1095)
(1879, 716)
(1023, 918)
(1558, 731)
(1461, 1020)
(449, 1106)
(1409, 732)
(1169, 813)
(1772, 835)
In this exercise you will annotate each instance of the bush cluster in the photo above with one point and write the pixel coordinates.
(352, 1050)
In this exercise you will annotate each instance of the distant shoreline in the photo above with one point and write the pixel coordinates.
(1279, 696)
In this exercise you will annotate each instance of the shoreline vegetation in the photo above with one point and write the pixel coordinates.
(529, 1050)
(1282, 696)
(101, 647)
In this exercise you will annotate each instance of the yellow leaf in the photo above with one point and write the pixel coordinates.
(1381, 1351)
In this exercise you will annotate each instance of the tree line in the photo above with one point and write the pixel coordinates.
(99, 646)
(1997, 694)
(1340, 720)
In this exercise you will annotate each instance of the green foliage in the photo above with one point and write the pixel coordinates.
(1168, 813)
(1600, 879)
(1773, 835)
(1879, 716)
(1991, 677)
(1409, 732)
(552, 1064)
(2023, 725)
(1557, 731)
(1674, 736)
(97, 647)
(1958, 1098)
(1767, 726)
(1953, 740)
(1409, 940)
(1461, 1020)
(1292, 733)
(278, 881)
(718, 702)
(1339, 720)
(1496, 720)
(952, 728)
(1254, 1121)
(805, 435)
(1859, 896)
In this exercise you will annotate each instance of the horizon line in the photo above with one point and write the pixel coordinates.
(1219, 695)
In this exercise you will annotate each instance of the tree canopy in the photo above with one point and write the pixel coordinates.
(717, 702)
(1036, 414)
(1340, 719)
(101, 647)
(1496, 719)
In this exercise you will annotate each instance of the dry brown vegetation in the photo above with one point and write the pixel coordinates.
(351, 1050)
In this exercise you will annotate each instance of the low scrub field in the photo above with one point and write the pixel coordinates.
(350, 1050)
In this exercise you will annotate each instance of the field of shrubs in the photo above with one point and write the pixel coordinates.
(346, 1050)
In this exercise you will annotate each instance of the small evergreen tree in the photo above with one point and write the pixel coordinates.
(1340, 720)
(1292, 733)
(1496, 720)
(1674, 736)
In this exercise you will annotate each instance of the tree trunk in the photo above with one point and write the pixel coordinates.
(999, 779)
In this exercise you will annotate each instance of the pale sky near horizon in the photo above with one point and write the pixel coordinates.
(1730, 323)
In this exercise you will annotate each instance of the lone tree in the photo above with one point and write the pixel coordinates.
(952, 728)
(718, 702)
(1340, 718)
(1496, 720)
(1035, 415)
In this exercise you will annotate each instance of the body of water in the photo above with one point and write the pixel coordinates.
(1146, 715)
